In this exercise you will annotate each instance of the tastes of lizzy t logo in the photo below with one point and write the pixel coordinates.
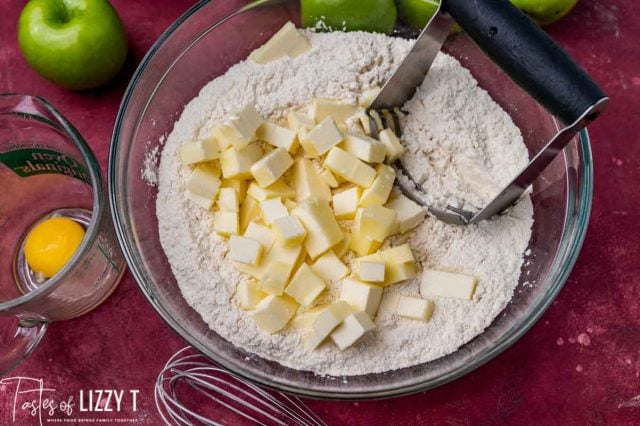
(27, 397)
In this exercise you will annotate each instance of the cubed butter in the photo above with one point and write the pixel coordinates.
(287, 255)
(249, 212)
(278, 189)
(363, 244)
(392, 145)
(329, 178)
(245, 250)
(228, 200)
(378, 192)
(290, 204)
(371, 270)
(288, 41)
(330, 268)
(289, 231)
(204, 202)
(447, 284)
(349, 167)
(345, 203)
(351, 330)
(339, 111)
(275, 277)
(199, 152)
(249, 294)
(389, 303)
(321, 138)
(299, 121)
(361, 296)
(278, 136)
(237, 164)
(415, 308)
(323, 231)
(304, 320)
(409, 213)
(240, 128)
(375, 221)
(204, 181)
(395, 273)
(305, 286)
(239, 185)
(272, 209)
(308, 182)
(365, 148)
(325, 322)
(398, 255)
(274, 312)
(226, 223)
(261, 234)
(271, 167)
(366, 98)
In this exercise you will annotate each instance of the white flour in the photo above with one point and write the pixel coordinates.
(464, 147)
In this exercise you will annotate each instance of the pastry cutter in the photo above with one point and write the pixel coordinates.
(527, 55)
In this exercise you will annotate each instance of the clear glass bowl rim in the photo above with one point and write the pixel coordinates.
(575, 229)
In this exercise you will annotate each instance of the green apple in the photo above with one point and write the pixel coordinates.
(78, 44)
(417, 12)
(350, 15)
(545, 12)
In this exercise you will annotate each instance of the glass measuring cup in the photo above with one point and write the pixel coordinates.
(47, 170)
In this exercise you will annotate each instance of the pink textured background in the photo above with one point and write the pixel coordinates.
(579, 365)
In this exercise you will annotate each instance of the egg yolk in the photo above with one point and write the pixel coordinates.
(51, 243)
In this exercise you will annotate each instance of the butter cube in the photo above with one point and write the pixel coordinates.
(342, 247)
(240, 129)
(364, 147)
(249, 211)
(363, 244)
(226, 223)
(298, 121)
(249, 294)
(261, 234)
(278, 136)
(326, 321)
(289, 256)
(351, 330)
(289, 231)
(278, 189)
(275, 278)
(349, 167)
(330, 268)
(204, 181)
(378, 192)
(321, 138)
(304, 320)
(447, 284)
(415, 308)
(204, 202)
(239, 185)
(375, 221)
(389, 303)
(237, 164)
(289, 204)
(305, 286)
(361, 296)
(409, 213)
(329, 178)
(198, 152)
(365, 123)
(323, 108)
(371, 270)
(272, 209)
(245, 250)
(345, 203)
(271, 167)
(398, 255)
(308, 182)
(323, 231)
(366, 98)
(228, 200)
(274, 312)
(288, 41)
(392, 145)
(399, 263)
(395, 273)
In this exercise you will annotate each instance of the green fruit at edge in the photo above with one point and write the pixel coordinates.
(77, 44)
(377, 16)
(418, 12)
(545, 12)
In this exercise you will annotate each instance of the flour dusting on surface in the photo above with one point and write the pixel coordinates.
(459, 142)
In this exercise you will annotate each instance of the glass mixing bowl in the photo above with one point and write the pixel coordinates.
(202, 45)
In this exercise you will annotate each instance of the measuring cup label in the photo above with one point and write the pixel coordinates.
(35, 161)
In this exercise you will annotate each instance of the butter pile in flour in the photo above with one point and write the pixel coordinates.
(271, 159)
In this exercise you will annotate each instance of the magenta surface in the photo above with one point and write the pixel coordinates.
(580, 364)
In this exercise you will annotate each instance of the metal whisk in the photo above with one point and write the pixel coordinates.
(189, 383)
